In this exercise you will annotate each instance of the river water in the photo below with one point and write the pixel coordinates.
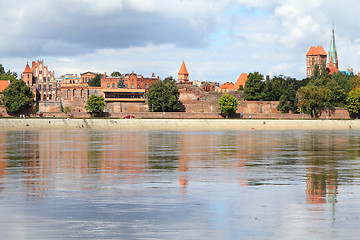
(58, 184)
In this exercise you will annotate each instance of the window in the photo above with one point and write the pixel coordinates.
(44, 79)
(50, 97)
(78, 81)
(44, 97)
(48, 79)
(28, 76)
(50, 87)
(145, 86)
(95, 92)
(108, 85)
(113, 85)
(39, 87)
(44, 87)
(132, 85)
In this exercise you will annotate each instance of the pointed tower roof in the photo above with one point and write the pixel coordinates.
(27, 69)
(332, 51)
(183, 69)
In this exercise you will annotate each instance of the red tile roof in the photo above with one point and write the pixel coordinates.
(27, 69)
(315, 51)
(3, 84)
(241, 81)
(183, 69)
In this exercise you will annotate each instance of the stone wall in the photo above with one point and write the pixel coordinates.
(49, 106)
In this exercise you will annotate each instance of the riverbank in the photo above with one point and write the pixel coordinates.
(178, 124)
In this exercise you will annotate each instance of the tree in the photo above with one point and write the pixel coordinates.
(228, 105)
(17, 97)
(9, 73)
(288, 101)
(163, 96)
(353, 101)
(254, 86)
(321, 92)
(115, 74)
(95, 104)
(121, 83)
(96, 81)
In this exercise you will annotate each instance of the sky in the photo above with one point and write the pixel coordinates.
(218, 40)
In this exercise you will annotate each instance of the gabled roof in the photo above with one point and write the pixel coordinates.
(227, 85)
(241, 81)
(316, 51)
(183, 69)
(27, 69)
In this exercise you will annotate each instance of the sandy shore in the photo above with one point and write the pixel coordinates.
(178, 124)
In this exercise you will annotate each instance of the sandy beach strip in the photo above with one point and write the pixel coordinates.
(178, 124)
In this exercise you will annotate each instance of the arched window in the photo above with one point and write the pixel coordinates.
(113, 85)
(74, 92)
(108, 85)
(44, 98)
(50, 97)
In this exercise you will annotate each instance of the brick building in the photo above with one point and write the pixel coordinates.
(183, 74)
(315, 56)
(87, 76)
(131, 81)
(41, 81)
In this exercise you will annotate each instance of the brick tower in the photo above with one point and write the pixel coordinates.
(183, 75)
(315, 55)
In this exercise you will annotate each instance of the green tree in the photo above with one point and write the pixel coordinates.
(228, 105)
(9, 73)
(95, 104)
(163, 95)
(96, 81)
(321, 92)
(17, 96)
(342, 79)
(353, 102)
(254, 86)
(121, 83)
(316, 71)
(115, 74)
(288, 101)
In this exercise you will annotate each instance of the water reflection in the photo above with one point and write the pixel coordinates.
(136, 163)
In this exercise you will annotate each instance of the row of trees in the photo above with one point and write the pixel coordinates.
(308, 95)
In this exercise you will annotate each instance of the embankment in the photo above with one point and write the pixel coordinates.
(178, 124)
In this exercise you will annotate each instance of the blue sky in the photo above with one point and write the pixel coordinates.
(218, 40)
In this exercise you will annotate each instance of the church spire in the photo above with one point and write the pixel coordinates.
(332, 55)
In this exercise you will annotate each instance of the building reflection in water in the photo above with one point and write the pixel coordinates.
(46, 157)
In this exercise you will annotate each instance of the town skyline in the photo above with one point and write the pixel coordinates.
(217, 40)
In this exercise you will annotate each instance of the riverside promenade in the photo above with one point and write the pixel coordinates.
(178, 124)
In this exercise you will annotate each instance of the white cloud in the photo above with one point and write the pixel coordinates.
(217, 39)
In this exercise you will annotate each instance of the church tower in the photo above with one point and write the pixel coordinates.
(183, 75)
(332, 63)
